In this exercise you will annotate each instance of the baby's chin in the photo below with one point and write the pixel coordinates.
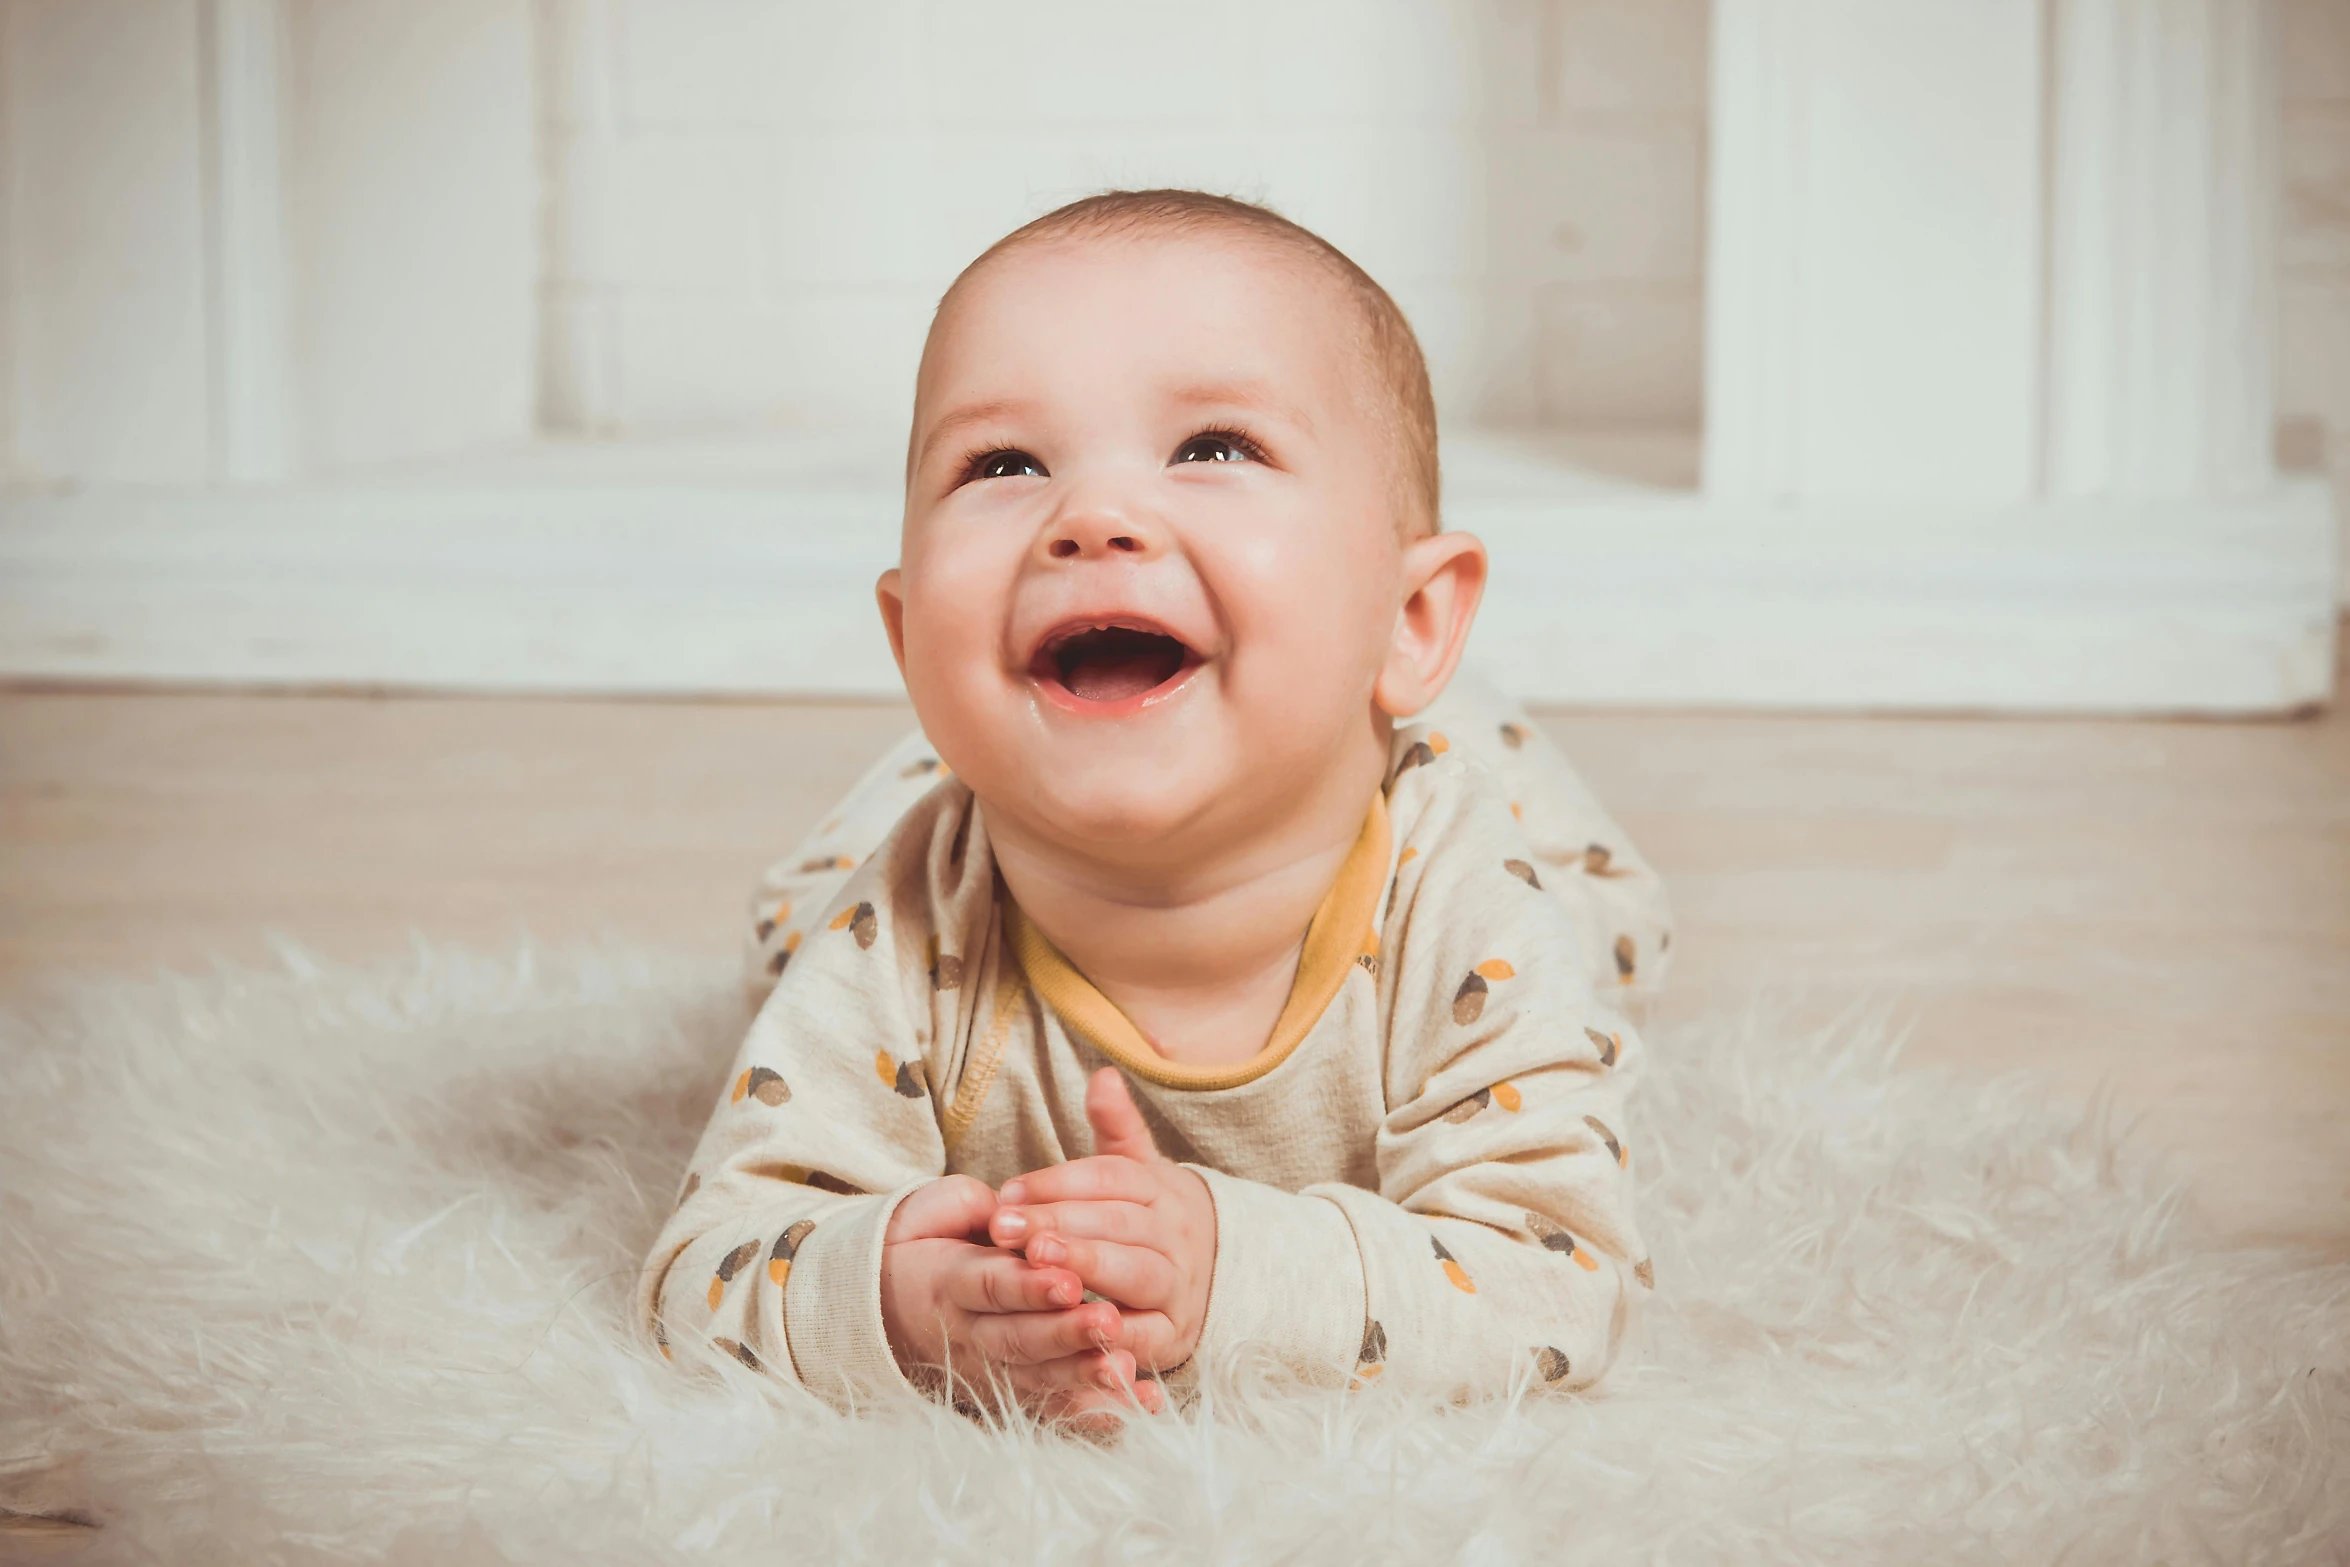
(1129, 804)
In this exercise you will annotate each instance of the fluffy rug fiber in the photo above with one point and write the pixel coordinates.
(311, 1265)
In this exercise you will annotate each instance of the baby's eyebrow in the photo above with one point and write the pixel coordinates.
(1243, 394)
(968, 415)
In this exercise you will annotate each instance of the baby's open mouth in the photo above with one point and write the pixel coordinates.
(1110, 663)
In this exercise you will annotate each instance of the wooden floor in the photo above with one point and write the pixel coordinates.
(2166, 905)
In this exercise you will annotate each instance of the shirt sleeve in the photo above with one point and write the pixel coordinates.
(802, 886)
(827, 1120)
(1500, 1243)
(1579, 854)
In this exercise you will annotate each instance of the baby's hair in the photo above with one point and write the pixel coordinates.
(1386, 340)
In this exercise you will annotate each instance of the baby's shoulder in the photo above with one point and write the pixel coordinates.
(1446, 800)
(1467, 887)
(901, 917)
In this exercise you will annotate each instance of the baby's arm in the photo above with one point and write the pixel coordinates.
(1502, 1232)
(805, 883)
(1580, 855)
(815, 1239)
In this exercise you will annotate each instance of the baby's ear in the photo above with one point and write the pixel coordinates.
(1443, 580)
(892, 599)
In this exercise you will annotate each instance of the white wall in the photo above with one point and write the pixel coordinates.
(2313, 343)
(415, 235)
(245, 239)
(107, 369)
(752, 206)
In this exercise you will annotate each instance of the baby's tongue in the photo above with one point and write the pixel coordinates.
(1114, 677)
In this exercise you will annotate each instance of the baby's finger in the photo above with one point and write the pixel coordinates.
(1033, 1337)
(1118, 1127)
(1034, 1386)
(1130, 1223)
(1151, 1338)
(952, 1207)
(1088, 1389)
(998, 1281)
(1136, 1277)
(1104, 1176)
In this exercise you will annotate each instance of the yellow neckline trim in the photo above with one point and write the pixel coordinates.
(1340, 933)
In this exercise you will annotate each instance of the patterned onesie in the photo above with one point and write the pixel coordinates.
(1424, 1176)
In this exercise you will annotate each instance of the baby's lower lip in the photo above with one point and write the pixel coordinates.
(1068, 701)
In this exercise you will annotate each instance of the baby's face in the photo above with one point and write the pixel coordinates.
(1151, 563)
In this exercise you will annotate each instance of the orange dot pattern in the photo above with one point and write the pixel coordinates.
(860, 922)
(1468, 1002)
(764, 1084)
(787, 1246)
(1555, 1238)
(1452, 1268)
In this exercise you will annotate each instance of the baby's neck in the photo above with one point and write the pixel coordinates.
(1201, 958)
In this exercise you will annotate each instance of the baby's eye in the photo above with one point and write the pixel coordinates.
(1006, 465)
(1216, 446)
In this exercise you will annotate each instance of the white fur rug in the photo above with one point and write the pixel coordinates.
(311, 1266)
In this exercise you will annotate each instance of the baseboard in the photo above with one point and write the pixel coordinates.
(1603, 594)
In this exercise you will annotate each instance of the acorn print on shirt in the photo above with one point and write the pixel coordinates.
(741, 1352)
(1614, 1148)
(1504, 1094)
(1513, 736)
(946, 969)
(827, 862)
(782, 955)
(1468, 1002)
(927, 765)
(775, 917)
(1626, 954)
(1423, 752)
(1552, 1363)
(787, 1246)
(764, 1084)
(823, 1181)
(904, 1076)
(1524, 873)
(1608, 1045)
(728, 1266)
(1556, 1239)
(1371, 1359)
(859, 922)
(1452, 1268)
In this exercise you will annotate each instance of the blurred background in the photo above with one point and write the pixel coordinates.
(446, 447)
(1811, 353)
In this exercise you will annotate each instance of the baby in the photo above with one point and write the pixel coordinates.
(1206, 974)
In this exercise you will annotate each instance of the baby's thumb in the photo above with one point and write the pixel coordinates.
(1118, 1128)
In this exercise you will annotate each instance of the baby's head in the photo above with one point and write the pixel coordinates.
(1171, 565)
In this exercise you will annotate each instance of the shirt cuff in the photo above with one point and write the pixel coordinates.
(1288, 1278)
(832, 1306)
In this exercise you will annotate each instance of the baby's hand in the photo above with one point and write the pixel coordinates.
(1138, 1229)
(950, 1300)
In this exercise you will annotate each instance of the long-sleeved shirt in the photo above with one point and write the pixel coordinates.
(1425, 1175)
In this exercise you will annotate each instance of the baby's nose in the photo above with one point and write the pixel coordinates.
(1069, 545)
(1098, 532)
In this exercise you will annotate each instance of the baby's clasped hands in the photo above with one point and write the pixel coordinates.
(1136, 1229)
